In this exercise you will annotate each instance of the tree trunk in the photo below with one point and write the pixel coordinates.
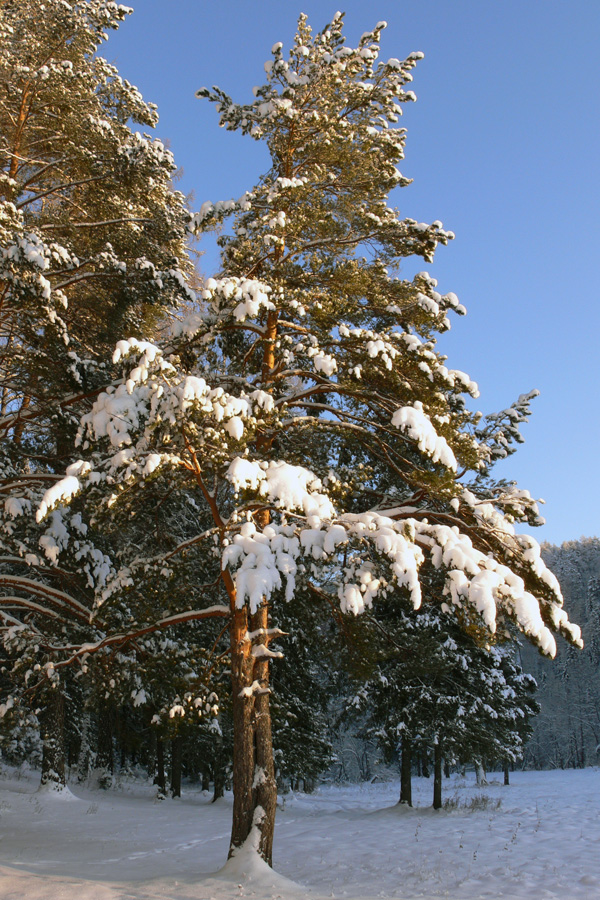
(425, 762)
(105, 764)
(481, 779)
(218, 784)
(243, 732)
(176, 761)
(437, 775)
(218, 770)
(159, 778)
(406, 771)
(84, 760)
(254, 785)
(506, 772)
(52, 722)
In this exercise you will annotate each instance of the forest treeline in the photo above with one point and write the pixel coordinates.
(346, 727)
(566, 733)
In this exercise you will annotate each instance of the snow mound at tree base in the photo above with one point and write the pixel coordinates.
(60, 791)
(247, 867)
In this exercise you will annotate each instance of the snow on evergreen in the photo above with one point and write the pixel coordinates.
(293, 438)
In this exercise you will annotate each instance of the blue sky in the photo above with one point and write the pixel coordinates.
(503, 146)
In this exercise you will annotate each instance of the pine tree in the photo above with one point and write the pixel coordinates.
(92, 231)
(92, 241)
(307, 408)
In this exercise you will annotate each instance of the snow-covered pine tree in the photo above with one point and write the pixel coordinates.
(92, 242)
(92, 231)
(311, 370)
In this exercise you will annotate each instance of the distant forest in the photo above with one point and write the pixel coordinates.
(566, 733)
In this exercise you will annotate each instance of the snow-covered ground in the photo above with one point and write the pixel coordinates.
(538, 838)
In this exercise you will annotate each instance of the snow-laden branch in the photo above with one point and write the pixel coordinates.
(385, 553)
(79, 651)
(52, 595)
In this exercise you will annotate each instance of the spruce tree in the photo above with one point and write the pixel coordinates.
(306, 406)
(436, 684)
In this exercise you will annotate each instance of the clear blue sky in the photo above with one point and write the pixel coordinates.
(504, 148)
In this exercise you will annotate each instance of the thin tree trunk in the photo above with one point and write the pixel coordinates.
(84, 758)
(406, 771)
(176, 761)
(104, 759)
(218, 769)
(159, 778)
(218, 783)
(437, 775)
(123, 737)
(506, 772)
(53, 737)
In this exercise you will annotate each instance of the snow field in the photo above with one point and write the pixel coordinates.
(538, 838)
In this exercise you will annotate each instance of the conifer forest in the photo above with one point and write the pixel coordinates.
(253, 541)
